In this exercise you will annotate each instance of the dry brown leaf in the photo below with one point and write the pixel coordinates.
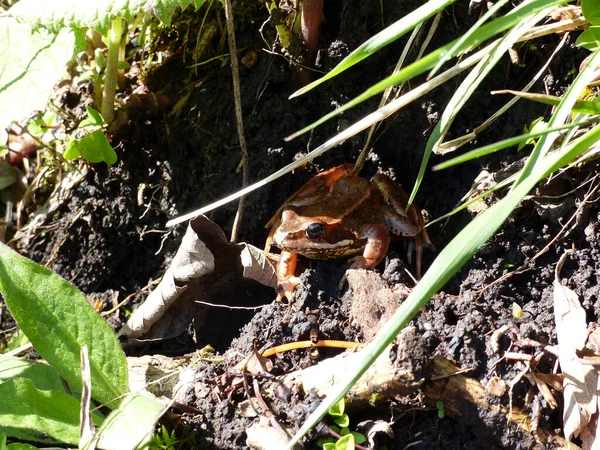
(257, 266)
(580, 381)
(203, 281)
(193, 260)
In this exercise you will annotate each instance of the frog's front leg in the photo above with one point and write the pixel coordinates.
(286, 280)
(378, 241)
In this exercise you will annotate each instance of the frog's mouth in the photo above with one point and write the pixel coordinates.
(324, 250)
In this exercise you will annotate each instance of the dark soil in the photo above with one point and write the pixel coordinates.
(104, 241)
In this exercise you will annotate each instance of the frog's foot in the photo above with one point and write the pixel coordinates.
(286, 288)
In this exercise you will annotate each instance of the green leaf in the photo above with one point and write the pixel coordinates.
(8, 175)
(337, 409)
(30, 64)
(131, 423)
(93, 147)
(94, 117)
(14, 445)
(345, 443)
(591, 11)
(35, 415)
(581, 106)
(59, 321)
(39, 125)
(329, 446)
(342, 421)
(590, 38)
(43, 376)
(358, 438)
(56, 14)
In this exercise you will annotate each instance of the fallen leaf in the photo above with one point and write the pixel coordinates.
(580, 381)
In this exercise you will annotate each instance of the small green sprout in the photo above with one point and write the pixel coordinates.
(440, 408)
(341, 437)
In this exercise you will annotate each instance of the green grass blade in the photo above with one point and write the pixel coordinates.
(501, 145)
(486, 32)
(581, 106)
(380, 40)
(468, 86)
(467, 242)
(499, 185)
(458, 44)
(58, 321)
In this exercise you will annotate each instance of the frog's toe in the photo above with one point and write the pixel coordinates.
(286, 288)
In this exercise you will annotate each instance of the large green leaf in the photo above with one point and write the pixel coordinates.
(131, 423)
(14, 445)
(35, 415)
(59, 321)
(30, 64)
(97, 14)
(41, 375)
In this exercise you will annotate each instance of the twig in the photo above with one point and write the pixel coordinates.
(238, 115)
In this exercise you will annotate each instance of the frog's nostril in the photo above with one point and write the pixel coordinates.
(315, 230)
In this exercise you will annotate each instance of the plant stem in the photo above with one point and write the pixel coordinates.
(238, 115)
(312, 14)
(110, 81)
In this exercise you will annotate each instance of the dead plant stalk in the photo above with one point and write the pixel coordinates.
(238, 115)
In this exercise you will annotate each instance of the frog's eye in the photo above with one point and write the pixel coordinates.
(315, 230)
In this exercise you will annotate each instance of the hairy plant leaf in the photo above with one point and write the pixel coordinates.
(30, 64)
(131, 423)
(59, 321)
(14, 445)
(35, 415)
(43, 376)
(57, 14)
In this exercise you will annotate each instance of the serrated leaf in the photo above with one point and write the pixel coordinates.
(35, 415)
(131, 423)
(59, 321)
(30, 64)
(56, 14)
(41, 375)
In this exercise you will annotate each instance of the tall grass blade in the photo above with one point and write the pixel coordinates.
(469, 240)
(380, 40)
(501, 145)
(466, 89)
(486, 32)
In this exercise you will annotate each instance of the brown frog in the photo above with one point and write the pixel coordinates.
(337, 215)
